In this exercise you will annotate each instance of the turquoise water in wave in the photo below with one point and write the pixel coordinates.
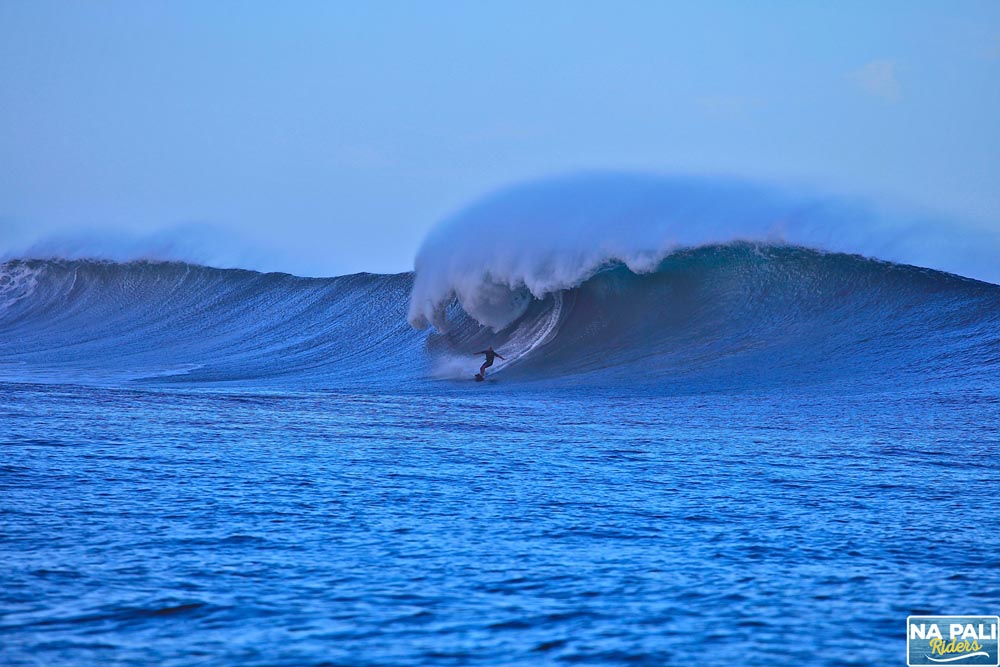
(193, 526)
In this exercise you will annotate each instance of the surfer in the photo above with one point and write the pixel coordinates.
(490, 355)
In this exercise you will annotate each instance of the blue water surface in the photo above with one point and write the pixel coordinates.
(479, 525)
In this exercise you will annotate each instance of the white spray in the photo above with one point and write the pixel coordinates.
(540, 238)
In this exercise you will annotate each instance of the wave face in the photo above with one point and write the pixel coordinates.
(744, 316)
(94, 320)
(729, 317)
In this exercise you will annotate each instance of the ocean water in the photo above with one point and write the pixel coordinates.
(748, 454)
(188, 527)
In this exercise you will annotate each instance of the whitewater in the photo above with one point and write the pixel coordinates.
(729, 415)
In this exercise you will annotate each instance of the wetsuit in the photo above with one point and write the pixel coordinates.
(490, 356)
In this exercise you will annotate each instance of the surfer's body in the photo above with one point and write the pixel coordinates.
(491, 354)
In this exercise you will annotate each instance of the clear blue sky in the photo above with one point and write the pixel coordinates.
(332, 135)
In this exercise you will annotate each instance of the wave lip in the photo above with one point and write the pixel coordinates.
(532, 240)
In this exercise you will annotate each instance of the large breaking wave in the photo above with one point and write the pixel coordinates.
(622, 282)
(544, 237)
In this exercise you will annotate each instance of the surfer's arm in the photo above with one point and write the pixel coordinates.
(501, 357)
(478, 353)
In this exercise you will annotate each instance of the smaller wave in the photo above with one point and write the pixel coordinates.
(102, 321)
(194, 243)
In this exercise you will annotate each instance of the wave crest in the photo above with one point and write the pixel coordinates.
(539, 238)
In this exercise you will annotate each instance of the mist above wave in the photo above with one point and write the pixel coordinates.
(194, 243)
(541, 237)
